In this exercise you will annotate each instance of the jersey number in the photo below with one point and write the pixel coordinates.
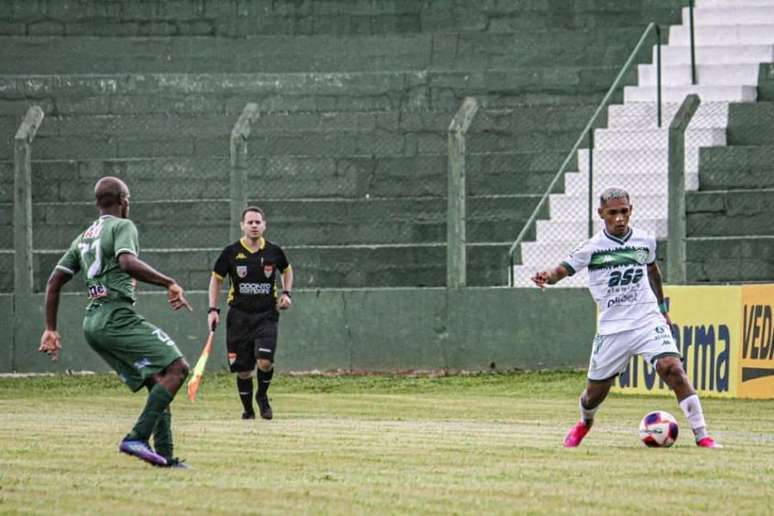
(617, 278)
(88, 249)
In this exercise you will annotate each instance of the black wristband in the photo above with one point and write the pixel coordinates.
(287, 293)
(214, 309)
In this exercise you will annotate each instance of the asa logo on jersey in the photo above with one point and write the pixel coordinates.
(241, 271)
(268, 270)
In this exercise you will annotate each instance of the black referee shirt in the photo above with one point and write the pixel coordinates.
(252, 275)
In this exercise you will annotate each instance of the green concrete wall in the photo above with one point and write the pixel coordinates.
(355, 330)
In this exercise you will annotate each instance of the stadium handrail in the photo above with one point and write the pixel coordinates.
(22, 201)
(651, 29)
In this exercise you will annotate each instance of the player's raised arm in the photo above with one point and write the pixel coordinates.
(550, 276)
(141, 271)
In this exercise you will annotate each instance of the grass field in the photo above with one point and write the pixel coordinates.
(380, 445)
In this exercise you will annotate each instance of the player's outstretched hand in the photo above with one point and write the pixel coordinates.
(176, 298)
(50, 344)
(541, 278)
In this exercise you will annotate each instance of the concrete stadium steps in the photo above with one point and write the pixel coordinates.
(709, 93)
(730, 33)
(299, 134)
(715, 74)
(743, 14)
(194, 17)
(730, 259)
(6, 271)
(766, 81)
(6, 226)
(227, 93)
(751, 124)
(295, 222)
(676, 55)
(737, 167)
(644, 114)
(326, 266)
(213, 93)
(286, 177)
(730, 213)
(441, 51)
(551, 230)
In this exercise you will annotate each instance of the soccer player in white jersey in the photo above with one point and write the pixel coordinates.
(625, 282)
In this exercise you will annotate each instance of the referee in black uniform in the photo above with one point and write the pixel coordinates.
(252, 264)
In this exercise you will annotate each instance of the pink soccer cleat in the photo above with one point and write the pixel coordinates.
(576, 434)
(708, 442)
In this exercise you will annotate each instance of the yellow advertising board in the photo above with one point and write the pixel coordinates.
(726, 337)
(756, 349)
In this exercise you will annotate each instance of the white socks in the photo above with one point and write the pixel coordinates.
(587, 415)
(691, 407)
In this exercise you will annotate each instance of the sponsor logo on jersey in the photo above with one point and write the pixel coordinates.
(255, 289)
(97, 291)
(628, 298)
(241, 256)
(143, 362)
(241, 271)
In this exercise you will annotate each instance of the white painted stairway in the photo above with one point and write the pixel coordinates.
(732, 38)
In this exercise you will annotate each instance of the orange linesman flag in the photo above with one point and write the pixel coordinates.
(196, 377)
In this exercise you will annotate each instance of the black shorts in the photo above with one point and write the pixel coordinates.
(249, 337)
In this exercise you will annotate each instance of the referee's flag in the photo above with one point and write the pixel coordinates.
(196, 377)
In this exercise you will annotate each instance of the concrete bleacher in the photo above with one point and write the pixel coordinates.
(727, 144)
(349, 155)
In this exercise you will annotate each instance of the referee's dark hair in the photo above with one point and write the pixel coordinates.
(256, 209)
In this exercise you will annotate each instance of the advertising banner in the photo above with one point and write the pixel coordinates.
(756, 353)
(705, 325)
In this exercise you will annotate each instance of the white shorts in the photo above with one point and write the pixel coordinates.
(610, 354)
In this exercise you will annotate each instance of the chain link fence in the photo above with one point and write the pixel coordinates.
(360, 199)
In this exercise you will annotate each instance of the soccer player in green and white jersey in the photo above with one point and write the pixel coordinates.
(141, 354)
(625, 282)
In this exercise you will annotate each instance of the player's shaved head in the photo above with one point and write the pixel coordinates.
(613, 193)
(108, 191)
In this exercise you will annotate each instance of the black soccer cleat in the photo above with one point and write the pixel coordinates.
(248, 415)
(264, 407)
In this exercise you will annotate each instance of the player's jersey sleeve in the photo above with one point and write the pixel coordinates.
(70, 262)
(222, 264)
(125, 239)
(579, 258)
(282, 261)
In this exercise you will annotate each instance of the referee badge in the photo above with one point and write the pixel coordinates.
(241, 271)
(268, 269)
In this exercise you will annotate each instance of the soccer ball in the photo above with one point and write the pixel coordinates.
(658, 429)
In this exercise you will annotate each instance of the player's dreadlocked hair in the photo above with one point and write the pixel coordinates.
(613, 193)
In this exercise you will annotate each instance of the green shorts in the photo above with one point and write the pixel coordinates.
(132, 346)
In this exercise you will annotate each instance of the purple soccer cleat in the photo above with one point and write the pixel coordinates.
(142, 451)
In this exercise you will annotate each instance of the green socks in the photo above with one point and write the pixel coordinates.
(158, 401)
(162, 435)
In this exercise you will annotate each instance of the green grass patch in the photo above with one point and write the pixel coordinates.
(483, 443)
